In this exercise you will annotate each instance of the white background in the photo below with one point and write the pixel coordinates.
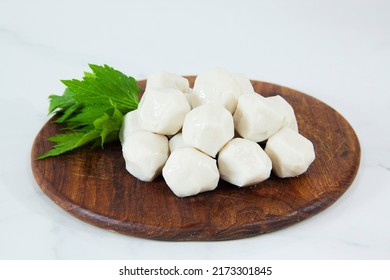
(336, 51)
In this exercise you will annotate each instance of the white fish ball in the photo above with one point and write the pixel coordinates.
(255, 119)
(290, 152)
(208, 128)
(243, 163)
(130, 125)
(177, 142)
(162, 110)
(189, 172)
(145, 154)
(217, 87)
(165, 79)
(285, 110)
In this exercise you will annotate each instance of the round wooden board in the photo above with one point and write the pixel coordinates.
(94, 186)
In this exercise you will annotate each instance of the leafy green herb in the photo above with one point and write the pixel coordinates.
(92, 109)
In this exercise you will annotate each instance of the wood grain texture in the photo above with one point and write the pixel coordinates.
(94, 186)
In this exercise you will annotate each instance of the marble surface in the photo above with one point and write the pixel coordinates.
(336, 51)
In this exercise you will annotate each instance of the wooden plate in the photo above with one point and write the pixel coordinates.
(94, 186)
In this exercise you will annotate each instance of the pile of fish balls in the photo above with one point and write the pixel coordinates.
(195, 137)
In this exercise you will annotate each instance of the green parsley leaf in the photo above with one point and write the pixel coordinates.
(109, 126)
(62, 101)
(92, 109)
(87, 115)
(106, 85)
(69, 141)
